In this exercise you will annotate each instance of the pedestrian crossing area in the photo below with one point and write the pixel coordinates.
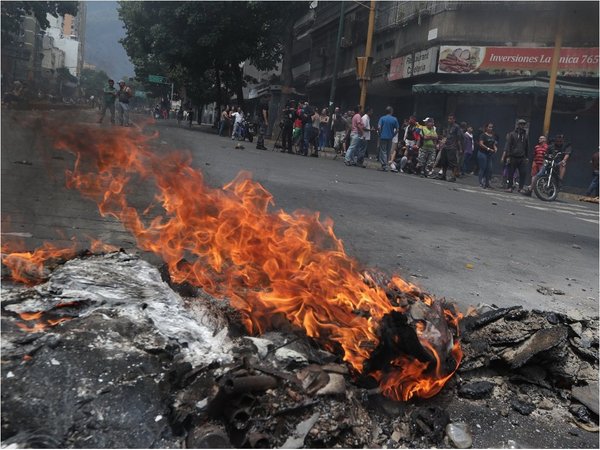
(584, 212)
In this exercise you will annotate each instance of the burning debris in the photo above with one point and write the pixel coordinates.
(139, 366)
(280, 338)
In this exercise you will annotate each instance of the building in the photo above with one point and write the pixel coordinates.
(53, 59)
(484, 61)
(22, 59)
(68, 33)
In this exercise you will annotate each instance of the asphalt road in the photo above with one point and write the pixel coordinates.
(452, 239)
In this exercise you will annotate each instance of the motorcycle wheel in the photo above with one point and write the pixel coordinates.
(544, 190)
(250, 138)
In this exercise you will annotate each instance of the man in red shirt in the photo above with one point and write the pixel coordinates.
(538, 162)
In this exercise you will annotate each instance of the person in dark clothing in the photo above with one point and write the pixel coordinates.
(263, 121)
(452, 145)
(307, 113)
(289, 116)
(516, 154)
(592, 190)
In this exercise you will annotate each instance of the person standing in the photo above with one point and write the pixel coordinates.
(307, 132)
(388, 126)
(356, 135)
(426, 158)
(338, 124)
(289, 115)
(488, 146)
(366, 121)
(223, 124)
(238, 117)
(515, 155)
(123, 96)
(108, 101)
(592, 190)
(467, 150)
(316, 130)
(325, 126)
(539, 151)
(263, 122)
(453, 142)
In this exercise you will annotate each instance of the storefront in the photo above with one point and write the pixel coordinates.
(502, 84)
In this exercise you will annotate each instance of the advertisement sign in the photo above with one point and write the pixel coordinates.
(512, 61)
(424, 61)
(401, 68)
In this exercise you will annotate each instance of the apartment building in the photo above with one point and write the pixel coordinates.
(484, 61)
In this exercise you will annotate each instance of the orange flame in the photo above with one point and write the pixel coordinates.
(228, 242)
(40, 323)
(97, 246)
(28, 267)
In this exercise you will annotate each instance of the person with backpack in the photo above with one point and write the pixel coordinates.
(123, 96)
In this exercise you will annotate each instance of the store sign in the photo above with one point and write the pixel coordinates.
(413, 64)
(424, 61)
(401, 68)
(513, 61)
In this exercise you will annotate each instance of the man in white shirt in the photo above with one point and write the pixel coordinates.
(366, 121)
(238, 116)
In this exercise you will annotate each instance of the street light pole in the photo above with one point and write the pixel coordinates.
(336, 59)
(553, 75)
(365, 75)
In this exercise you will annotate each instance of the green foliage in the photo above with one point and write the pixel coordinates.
(92, 81)
(190, 41)
(13, 10)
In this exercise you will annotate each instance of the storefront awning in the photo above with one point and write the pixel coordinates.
(524, 87)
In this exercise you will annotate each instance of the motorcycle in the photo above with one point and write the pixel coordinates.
(247, 130)
(547, 184)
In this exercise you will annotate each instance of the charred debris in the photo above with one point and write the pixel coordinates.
(106, 354)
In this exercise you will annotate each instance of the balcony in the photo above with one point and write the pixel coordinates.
(398, 14)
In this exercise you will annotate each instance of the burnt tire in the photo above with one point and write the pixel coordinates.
(546, 190)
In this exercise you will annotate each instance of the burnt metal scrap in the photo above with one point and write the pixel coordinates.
(135, 365)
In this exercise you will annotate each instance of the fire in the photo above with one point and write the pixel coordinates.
(40, 323)
(28, 267)
(233, 244)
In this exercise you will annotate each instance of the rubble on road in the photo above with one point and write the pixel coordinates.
(124, 361)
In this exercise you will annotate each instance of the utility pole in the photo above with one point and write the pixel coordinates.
(336, 59)
(553, 74)
(364, 63)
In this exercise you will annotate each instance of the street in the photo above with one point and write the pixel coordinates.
(454, 240)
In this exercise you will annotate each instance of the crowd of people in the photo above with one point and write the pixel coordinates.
(444, 152)
(448, 153)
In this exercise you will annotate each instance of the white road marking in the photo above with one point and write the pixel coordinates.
(580, 212)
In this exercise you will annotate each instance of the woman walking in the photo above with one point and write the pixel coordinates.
(488, 146)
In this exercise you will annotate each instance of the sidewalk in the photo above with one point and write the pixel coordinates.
(469, 180)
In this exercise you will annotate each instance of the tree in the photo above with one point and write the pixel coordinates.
(92, 81)
(12, 12)
(201, 45)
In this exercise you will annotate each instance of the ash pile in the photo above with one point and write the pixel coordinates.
(106, 354)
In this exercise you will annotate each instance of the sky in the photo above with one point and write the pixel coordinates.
(102, 47)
